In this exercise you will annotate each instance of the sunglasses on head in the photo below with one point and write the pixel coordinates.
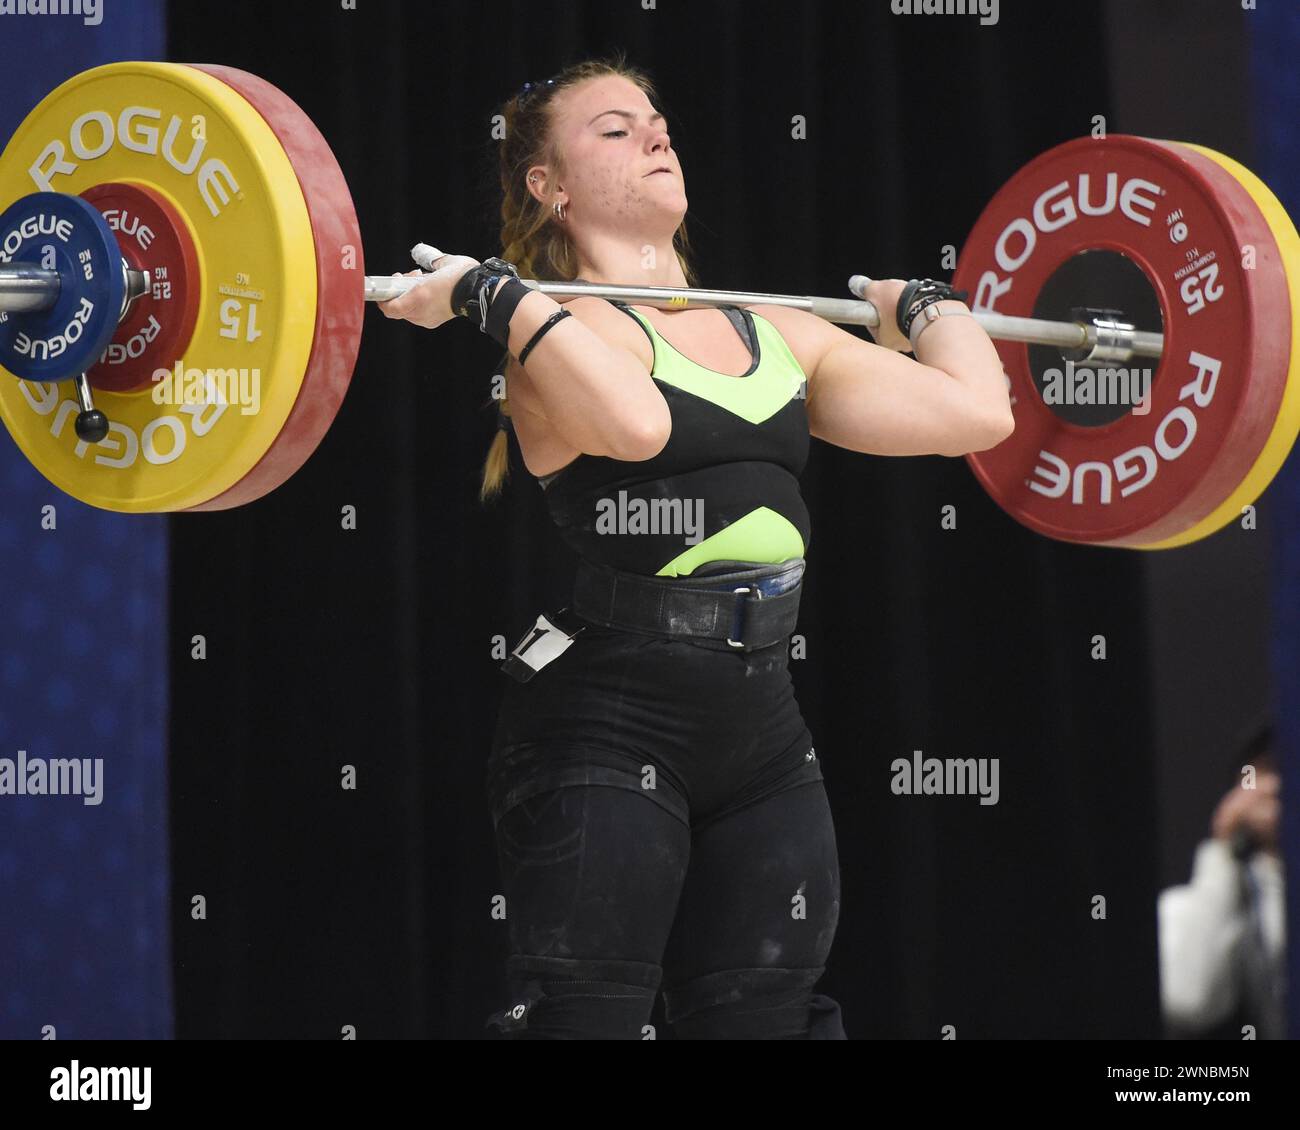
(531, 88)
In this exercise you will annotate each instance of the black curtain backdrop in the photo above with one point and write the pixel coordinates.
(373, 647)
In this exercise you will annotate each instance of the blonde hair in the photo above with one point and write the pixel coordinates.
(530, 238)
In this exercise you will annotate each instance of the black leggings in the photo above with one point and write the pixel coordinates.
(661, 822)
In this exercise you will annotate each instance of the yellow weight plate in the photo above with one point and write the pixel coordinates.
(1282, 437)
(193, 139)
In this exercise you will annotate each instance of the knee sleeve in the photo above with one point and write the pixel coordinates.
(753, 1004)
(560, 998)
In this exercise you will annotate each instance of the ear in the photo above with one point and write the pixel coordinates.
(536, 180)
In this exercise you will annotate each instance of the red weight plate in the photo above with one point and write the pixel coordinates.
(340, 305)
(158, 326)
(1218, 386)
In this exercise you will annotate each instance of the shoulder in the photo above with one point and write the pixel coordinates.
(806, 335)
(604, 319)
(614, 326)
(599, 313)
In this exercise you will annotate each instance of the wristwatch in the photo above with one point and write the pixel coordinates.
(498, 267)
(494, 271)
(470, 286)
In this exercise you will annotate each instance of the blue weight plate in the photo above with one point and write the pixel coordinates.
(52, 231)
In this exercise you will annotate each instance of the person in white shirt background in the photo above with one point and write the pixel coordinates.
(1222, 936)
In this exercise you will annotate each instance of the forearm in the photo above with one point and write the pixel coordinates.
(959, 347)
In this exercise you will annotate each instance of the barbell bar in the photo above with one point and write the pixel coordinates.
(26, 290)
(1084, 336)
(256, 264)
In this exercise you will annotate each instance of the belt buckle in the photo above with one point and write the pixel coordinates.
(758, 595)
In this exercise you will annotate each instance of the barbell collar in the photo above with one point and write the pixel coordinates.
(1113, 343)
(1113, 336)
(137, 285)
(91, 424)
(29, 290)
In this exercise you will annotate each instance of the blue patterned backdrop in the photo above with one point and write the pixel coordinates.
(84, 898)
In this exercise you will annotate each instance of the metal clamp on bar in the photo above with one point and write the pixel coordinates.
(1109, 337)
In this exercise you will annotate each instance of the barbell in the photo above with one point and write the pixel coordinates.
(192, 221)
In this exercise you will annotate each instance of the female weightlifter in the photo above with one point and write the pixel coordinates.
(660, 815)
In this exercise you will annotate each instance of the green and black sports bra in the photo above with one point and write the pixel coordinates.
(724, 488)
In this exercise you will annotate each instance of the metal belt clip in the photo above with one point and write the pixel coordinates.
(738, 615)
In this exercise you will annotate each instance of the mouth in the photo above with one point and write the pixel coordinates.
(652, 172)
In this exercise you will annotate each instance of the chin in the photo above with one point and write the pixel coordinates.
(672, 206)
(681, 191)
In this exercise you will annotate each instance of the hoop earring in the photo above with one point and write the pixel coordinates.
(559, 210)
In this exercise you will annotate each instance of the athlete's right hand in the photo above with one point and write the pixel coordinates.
(883, 294)
(429, 303)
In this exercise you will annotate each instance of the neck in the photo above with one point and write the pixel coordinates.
(618, 261)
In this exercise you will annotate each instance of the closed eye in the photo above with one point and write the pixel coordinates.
(615, 133)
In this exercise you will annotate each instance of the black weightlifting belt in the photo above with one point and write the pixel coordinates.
(742, 608)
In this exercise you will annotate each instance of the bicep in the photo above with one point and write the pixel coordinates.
(520, 393)
(866, 398)
(540, 443)
(562, 419)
